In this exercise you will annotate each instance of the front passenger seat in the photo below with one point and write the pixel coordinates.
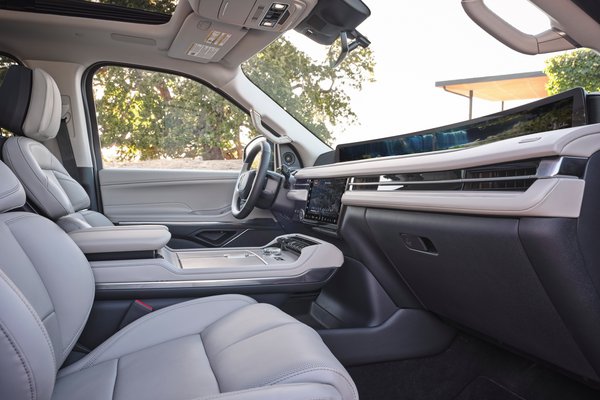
(30, 107)
(223, 347)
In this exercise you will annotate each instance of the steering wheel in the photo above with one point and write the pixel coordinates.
(251, 182)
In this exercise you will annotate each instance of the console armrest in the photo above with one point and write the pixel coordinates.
(121, 239)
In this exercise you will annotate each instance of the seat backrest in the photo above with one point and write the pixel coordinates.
(46, 293)
(47, 184)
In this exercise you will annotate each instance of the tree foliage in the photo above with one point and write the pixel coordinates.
(150, 115)
(580, 68)
(313, 92)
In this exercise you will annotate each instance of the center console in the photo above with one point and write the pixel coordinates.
(295, 260)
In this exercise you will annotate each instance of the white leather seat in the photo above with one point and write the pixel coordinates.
(34, 118)
(221, 347)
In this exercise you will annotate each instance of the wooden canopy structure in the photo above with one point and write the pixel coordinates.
(522, 86)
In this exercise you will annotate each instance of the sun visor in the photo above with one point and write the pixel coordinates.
(202, 40)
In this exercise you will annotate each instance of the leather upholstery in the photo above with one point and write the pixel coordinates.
(46, 181)
(43, 115)
(225, 347)
(46, 291)
(232, 345)
(114, 239)
(12, 194)
(30, 103)
(83, 219)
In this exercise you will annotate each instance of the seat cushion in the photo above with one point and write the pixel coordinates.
(223, 346)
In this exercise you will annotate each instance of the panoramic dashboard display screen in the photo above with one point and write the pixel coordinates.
(325, 200)
(564, 110)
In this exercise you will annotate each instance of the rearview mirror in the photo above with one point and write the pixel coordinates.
(359, 41)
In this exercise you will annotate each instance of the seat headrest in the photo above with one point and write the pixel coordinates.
(12, 194)
(30, 103)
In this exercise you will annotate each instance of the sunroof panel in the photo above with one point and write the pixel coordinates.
(138, 11)
(158, 6)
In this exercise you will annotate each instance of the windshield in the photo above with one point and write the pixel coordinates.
(424, 61)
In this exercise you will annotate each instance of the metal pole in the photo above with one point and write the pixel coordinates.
(470, 104)
(502, 105)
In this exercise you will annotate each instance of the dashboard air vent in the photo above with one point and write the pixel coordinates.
(513, 176)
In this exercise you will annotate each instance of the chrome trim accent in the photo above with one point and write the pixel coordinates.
(466, 180)
(313, 276)
(547, 168)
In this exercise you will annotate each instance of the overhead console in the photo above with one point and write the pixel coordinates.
(216, 26)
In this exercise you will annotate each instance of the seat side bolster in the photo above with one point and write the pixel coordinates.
(298, 391)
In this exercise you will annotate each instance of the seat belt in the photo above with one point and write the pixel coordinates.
(66, 150)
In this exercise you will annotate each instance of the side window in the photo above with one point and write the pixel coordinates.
(5, 63)
(149, 119)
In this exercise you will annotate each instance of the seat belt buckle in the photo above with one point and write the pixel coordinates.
(136, 310)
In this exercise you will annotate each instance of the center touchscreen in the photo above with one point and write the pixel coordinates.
(325, 200)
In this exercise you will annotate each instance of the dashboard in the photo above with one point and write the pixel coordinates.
(526, 161)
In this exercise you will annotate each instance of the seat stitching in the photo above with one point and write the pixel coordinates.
(22, 360)
(209, 363)
(10, 191)
(17, 217)
(312, 369)
(76, 207)
(29, 144)
(68, 348)
(252, 390)
(116, 377)
(106, 345)
(49, 315)
(31, 311)
(254, 335)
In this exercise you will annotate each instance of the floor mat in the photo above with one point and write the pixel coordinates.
(483, 388)
(447, 376)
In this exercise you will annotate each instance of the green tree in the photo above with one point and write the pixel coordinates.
(573, 69)
(161, 6)
(149, 115)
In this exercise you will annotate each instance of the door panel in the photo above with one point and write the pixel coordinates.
(195, 204)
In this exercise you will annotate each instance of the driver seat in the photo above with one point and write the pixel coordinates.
(30, 107)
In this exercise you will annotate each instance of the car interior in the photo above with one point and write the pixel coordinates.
(459, 262)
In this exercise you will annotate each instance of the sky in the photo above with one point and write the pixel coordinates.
(418, 43)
